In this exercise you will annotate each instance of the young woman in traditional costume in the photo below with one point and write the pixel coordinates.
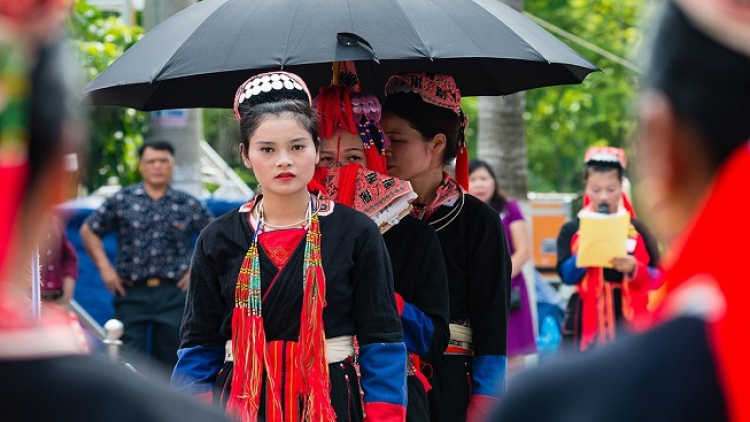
(424, 123)
(694, 154)
(286, 281)
(605, 297)
(352, 168)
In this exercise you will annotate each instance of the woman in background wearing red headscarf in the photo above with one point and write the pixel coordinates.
(605, 297)
(352, 168)
(423, 120)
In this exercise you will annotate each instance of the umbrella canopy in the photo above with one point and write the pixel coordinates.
(199, 56)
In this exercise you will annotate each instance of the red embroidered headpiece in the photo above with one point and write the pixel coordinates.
(441, 91)
(606, 156)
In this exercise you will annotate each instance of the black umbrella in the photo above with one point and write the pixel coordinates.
(199, 56)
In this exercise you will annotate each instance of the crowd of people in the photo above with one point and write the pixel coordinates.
(367, 282)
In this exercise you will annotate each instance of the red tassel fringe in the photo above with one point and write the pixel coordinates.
(375, 159)
(347, 184)
(318, 406)
(248, 344)
(462, 167)
(334, 111)
(252, 356)
(317, 184)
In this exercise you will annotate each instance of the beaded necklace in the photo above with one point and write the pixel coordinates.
(249, 341)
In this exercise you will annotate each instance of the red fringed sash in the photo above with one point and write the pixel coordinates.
(256, 360)
(598, 310)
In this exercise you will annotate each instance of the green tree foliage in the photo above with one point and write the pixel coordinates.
(222, 131)
(563, 121)
(115, 133)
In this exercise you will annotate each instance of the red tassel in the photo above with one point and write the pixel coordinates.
(317, 184)
(247, 375)
(375, 160)
(590, 291)
(347, 184)
(317, 407)
(334, 111)
(462, 167)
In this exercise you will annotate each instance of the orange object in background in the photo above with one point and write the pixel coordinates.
(548, 213)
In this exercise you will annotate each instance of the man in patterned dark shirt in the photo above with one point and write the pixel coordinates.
(155, 226)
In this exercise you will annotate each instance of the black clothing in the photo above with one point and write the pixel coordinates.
(667, 374)
(477, 260)
(421, 280)
(360, 301)
(158, 309)
(476, 257)
(89, 389)
(353, 292)
(419, 275)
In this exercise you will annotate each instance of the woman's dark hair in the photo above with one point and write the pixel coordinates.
(252, 117)
(498, 200)
(428, 119)
(602, 168)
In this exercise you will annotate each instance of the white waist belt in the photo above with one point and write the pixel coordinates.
(460, 332)
(337, 349)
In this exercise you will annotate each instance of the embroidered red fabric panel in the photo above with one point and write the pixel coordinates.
(279, 245)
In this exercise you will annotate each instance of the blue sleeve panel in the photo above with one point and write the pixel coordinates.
(569, 273)
(196, 369)
(488, 375)
(418, 329)
(383, 369)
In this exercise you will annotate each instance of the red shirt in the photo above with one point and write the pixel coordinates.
(57, 257)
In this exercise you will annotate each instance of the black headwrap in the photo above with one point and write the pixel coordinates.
(707, 83)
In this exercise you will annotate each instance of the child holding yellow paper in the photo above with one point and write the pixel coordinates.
(604, 297)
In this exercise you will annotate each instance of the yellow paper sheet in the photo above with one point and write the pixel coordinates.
(602, 237)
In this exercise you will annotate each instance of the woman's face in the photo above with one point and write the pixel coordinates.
(481, 184)
(604, 188)
(409, 153)
(342, 150)
(282, 155)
